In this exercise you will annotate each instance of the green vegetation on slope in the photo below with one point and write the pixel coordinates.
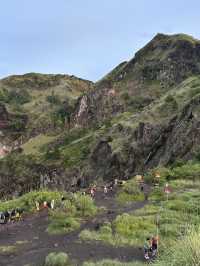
(68, 216)
(113, 263)
(47, 100)
(184, 252)
(172, 217)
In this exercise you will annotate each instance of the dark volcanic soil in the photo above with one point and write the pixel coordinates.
(38, 243)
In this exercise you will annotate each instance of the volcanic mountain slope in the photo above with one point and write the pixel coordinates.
(151, 107)
(162, 64)
(143, 114)
(45, 100)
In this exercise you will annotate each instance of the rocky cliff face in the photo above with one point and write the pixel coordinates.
(97, 106)
(150, 145)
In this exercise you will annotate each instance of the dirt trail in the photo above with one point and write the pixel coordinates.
(37, 243)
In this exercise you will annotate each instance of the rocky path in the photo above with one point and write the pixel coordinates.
(34, 243)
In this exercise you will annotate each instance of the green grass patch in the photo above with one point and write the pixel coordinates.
(70, 214)
(34, 145)
(185, 251)
(57, 259)
(130, 192)
(113, 263)
(172, 218)
(27, 201)
(76, 152)
(60, 223)
(125, 230)
(8, 250)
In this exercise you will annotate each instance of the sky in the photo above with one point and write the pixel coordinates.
(86, 38)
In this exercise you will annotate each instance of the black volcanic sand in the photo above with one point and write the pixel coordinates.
(39, 244)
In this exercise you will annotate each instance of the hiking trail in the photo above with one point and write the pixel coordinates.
(37, 243)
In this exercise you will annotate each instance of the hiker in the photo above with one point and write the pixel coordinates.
(20, 211)
(2, 218)
(13, 214)
(105, 190)
(37, 205)
(7, 216)
(92, 192)
(141, 187)
(110, 187)
(154, 245)
(17, 215)
(156, 179)
(115, 182)
(45, 205)
(147, 246)
(52, 204)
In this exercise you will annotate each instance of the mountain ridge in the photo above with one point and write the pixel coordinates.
(122, 125)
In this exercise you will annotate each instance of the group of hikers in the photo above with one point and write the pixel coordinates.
(45, 205)
(105, 188)
(11, 215)
(150, 247)
(15, 215)
(151, 244)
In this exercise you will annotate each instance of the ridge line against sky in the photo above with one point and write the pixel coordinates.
(85, 38)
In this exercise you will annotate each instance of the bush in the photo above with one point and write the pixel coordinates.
(61, 223)
(52, 154)
(187, 171)
(53, 99)
(18, 97)
(131, 227)
(68, 217)
(137, 103)
(27, 202)
(130, 192)
(69, 208)
(57, 259)
(85, 205)
(165, 174)
(185, 252)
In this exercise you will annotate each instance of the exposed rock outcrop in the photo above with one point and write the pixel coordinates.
(150, 145)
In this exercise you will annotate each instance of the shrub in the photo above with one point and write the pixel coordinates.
(53, 99)
(27, 201)
(18, 97)
(52, 154)
(138, 103)
(61, 223)
(57, 259)
(69, 208)
(165, 174)
(85, 205)
(130, 192)
(185, 252)
(130, 226)
(187, 171)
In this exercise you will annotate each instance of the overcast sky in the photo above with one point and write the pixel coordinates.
(86, 38)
